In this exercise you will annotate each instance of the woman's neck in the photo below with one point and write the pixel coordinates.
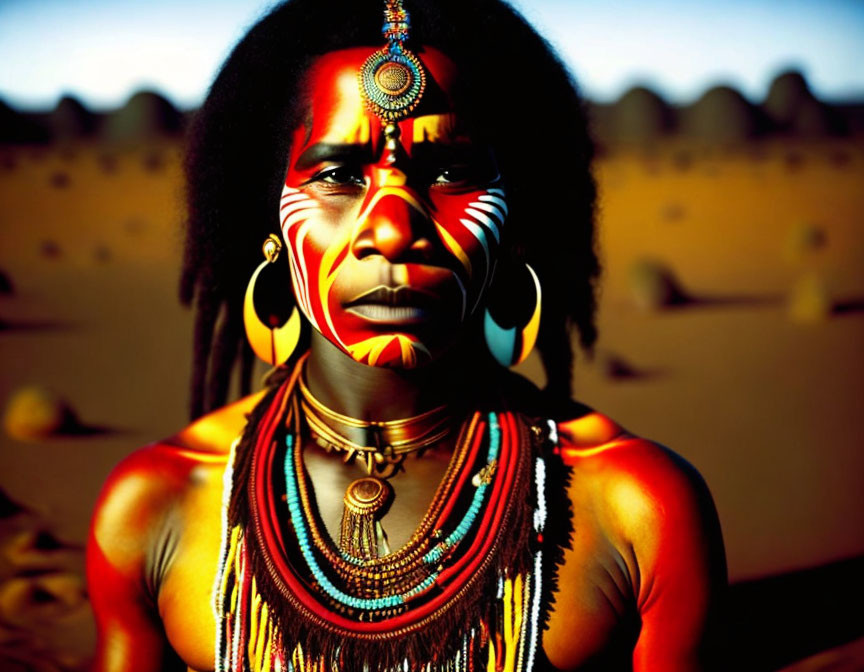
(376, 393)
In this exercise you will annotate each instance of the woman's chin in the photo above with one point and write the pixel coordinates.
(389, 349)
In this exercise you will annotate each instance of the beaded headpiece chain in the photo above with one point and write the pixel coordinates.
(392, 79)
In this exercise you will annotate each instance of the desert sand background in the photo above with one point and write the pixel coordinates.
(731, 330)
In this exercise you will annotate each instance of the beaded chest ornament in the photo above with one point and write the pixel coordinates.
(381, 452)
(463, 594)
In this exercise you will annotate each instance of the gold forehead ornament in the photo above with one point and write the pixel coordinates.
(392, 79)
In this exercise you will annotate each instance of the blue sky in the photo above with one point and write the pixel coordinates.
(103, 50)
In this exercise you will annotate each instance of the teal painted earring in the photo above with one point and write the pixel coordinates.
(513, 345)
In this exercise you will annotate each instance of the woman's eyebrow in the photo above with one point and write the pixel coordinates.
(441, 152)
(323, 151)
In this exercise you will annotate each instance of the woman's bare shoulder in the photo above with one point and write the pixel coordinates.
(593, 442)
(148, 483)
(627, 470)
(212, 434)
(635, 480)
(651, 497)
(161, 468)
(605, 458)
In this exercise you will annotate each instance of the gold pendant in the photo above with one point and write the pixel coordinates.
(366, 501)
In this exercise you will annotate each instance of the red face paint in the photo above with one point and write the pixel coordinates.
(391, 244)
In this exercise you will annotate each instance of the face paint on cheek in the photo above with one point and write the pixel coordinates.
(295, 210)
(332, 262)
(313, 269)
(314, 272)
(469, 226)
(401, 350)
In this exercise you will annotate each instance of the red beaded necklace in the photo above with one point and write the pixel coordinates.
(285, 595)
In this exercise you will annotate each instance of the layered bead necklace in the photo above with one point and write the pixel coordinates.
(381, 451)
(463, 593)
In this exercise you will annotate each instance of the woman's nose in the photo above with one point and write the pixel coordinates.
(395, 229)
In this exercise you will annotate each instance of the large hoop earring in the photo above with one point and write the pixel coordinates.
(272, 341)
(513, 345)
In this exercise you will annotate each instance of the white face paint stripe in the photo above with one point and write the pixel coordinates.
(295, 217)
(296, 277)
(295, 208)
(293, 198)
(493, 203)
(299, 266)
(298, 288)
(485, 219)
(297, 205)
(500, 202)
(478, 232)
(301, 262)
(491, 209)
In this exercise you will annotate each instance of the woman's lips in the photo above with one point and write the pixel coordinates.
(394, 305)
(376, 312)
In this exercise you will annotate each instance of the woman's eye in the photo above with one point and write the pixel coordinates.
(452, 175)
(340, 175)
(461, 175)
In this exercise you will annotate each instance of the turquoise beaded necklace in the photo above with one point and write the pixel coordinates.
(433, 556)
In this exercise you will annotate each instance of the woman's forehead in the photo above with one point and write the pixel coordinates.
(336, 109)
(333, 66)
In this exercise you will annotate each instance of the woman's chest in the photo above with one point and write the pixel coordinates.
(593, 620)
(185, 592)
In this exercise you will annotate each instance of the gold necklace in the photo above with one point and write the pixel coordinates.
(385, 443)
(399, 570)
(385, 446)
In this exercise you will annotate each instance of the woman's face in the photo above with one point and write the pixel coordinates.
(391, 246)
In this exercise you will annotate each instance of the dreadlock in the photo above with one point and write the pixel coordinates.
(514, 93)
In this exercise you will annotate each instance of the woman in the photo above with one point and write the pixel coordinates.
(397, 500)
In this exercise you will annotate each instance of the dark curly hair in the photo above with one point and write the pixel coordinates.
(514, 91)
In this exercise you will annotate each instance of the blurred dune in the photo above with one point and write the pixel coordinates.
(641, 117)
(45, 620)
(721, 116)
(70, 120)
(793, 109)
(146, 116)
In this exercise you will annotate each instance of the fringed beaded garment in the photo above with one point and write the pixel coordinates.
(463, 594)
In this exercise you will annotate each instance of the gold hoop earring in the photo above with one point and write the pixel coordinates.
(511, 346)
(274, 340)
